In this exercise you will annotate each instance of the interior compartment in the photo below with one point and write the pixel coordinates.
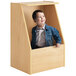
(50, 14)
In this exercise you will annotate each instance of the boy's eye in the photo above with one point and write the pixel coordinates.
(41, 17)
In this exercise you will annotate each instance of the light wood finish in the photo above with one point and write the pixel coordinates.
(20, 47)
(39, 3)
(22, 56)
(47, 58)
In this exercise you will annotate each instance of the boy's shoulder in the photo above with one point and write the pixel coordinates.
(34, 27)
(49, 27)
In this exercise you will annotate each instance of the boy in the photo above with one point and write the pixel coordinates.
(42, 34)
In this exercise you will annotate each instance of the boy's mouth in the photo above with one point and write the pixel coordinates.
(42, 21)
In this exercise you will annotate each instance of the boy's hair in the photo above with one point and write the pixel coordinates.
(34, 14)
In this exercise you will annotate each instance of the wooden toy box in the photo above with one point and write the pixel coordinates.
(23, 57)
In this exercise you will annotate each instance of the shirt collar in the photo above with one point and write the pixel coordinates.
(41, 28)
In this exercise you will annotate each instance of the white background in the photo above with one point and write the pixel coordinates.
(66, 10)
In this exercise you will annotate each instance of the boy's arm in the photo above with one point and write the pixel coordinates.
(56, 36)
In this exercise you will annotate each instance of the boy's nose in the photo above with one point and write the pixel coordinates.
(41, 17)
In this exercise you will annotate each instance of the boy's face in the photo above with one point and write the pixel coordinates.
(40, 18)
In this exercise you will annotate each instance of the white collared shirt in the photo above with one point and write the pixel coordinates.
(40, 36)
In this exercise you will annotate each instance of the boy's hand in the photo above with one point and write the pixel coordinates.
(58, 45)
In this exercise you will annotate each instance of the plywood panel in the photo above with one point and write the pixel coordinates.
(20, 46)
(47, 58)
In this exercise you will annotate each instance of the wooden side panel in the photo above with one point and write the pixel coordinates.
(20, 45)
(47, 58)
